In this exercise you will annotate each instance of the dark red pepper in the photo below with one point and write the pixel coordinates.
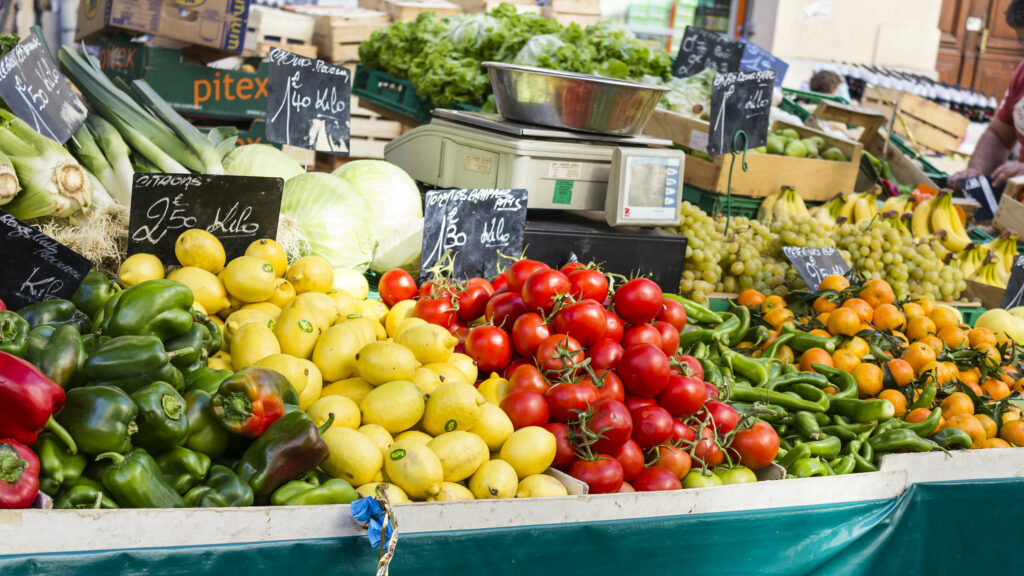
(2, 305)
(889, 187)
(251, 399)
(28, 401)
(19, 475)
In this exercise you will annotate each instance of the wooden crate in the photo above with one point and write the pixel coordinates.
(567, 18)
(576, 7)
(307, 50)
(1010, 212)
(813, 179)
(920, 119)
(406, 10)
(285, 29)
(368, 124)
(339, 31)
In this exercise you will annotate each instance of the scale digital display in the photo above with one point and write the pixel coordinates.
(644, 187)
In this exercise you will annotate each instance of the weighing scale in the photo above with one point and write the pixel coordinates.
(560, 169)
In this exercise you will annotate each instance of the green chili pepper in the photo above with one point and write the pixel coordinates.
(784, 381)
(57, 467)
(926, 398)
(699, 351)
(206, 379)
(160, 308)
(855, 427)
(839, 432)
(845, 383)
(827, 448)
(84, 494)
(798, 452)
(862, 410)
(773, 349)
(712, 374)
(844, 465)
(58, 352)
(899, 440)
(54, 313)
(804, 341)
(99, 419)
(695, 337)
(734, 337)
(747, 394)
(722, 332)
(205, 434)
(94, 291)
(222, 489)
(753, 369)
(310, 492)
(13, 333)
(807, 425)
(807, 468)
(953, 439)
(131, 362)
(695, 313)
(161, 419)
(758, 335)
(862, 464)
(182, 468)
(926, 426)
(135, 481)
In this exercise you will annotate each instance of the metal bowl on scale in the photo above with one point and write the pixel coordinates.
(572, 101)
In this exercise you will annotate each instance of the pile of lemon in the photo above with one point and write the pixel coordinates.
(406, 410)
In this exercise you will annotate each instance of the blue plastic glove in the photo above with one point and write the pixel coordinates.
(368, 510)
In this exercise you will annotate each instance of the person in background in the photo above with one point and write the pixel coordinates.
(826, 82)
(1006, 129)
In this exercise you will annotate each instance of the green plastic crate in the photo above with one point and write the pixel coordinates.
(971, 313)
(395, 94)
(978, 236)
(793, 108)
(712, 203)
(718, 304)
(812, 97)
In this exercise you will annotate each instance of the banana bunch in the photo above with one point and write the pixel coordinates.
(937, 216)
(783, 205)
(972, 258)
(1005, 248)
(991, 272)
(902, 204)
(826, 213)
(859, 207)
(897, 220)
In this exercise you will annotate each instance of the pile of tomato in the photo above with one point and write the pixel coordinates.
(600, 369)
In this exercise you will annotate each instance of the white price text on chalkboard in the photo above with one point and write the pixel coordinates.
(308, 103)
(34, 89)
(35, 266)
(816, 264)
(740, 101)
(701, 49)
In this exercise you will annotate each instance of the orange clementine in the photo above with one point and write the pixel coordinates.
(858, 346)
(901, 370)
(889, 317)
(862, 308)
(823, 318)
(919, 415)
(944, 316)
(834, 282)
(843, 321)
(968, 423)
(956, 404)
(995, 389)
(933, 342)
(877, 292)
(996, 443)
(953, 336)
(1013, 432)
(919, 355)
(845, 360)
(927, 303)
(814, 356)
(898, 400)
(778, 316)
(772, 302)
(820, 332)
(912, 310)
(822, 304)
(785, 354)
(750, 298)
(988, 424)
(969, 375)
(920, 327)
(990, 352)
(982, 335)
(869, 379)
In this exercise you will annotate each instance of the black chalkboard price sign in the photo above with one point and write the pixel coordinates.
(235, 209)
(756, 58)
(308, 103)
(1014, 295)
(740, 101)
(815, 264)
(702, 49)
(474, 225)
(35, 266)
(34, 89)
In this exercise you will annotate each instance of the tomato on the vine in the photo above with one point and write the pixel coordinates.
(707, 451)
(396, 285)
(655, 478)
(558, 352)
(583, 320)
(669, 337)
(435, 311)
(603, 475)
(482, 282)
(680, 431)
(588, 284)
(565, 454)
(528, 377)
(686, 365)
(644, 370)
(525, 408)
(710, 391)
(571, 267)
(736, 475)
(503, 310)
(652, 425)
(610, 419)
(473, 302)
(566, 398)
(490, 347)
(724, 417)
(698, 478)
(613, 326)
(610, 386)
(756, 446)
(604, 354)
(683, 396)
(542, 288)
(436, 288)
(528, 332)
(638, 301)
(460, 330)
(673, 313)
(514, 364)
(498, 283)
(641, 334)
(675, 459)
(635, 402)
(632, 459)
(519, 271)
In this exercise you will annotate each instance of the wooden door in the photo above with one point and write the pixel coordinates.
(978, 49)
(998, 52)
(952, 23)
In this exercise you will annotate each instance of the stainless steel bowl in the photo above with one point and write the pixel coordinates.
(574, 101)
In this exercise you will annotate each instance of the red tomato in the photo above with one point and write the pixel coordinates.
(687, 365)
(613, 327)
(571, 267)
(490, 347)
(519, 271)
(657, 478)
(632, 459)
(675, 459)
(583, 320)
(515, 363)
(756, 446)
(723, 417)
(435, 288)
(710, 391)
(525, 408)
(638, 301)
(673, 313)
(680, 431)
(565, 455)
(644, 370)
(460, 330)
(588, 284)
(706, 450)
(604, 354)
(499, 283)
(612, 420)
(683, 396)
(541, 289)
(603, 475)
(558, 352)
(652, 425)
(396, 285)
(635, 402)
(435, 311)
(528, 377)
(528, 332)
(669, 337)
(642, 334)
(482, 283)
(473, 302)
(565, 398)
(503, 310)
(611, 387)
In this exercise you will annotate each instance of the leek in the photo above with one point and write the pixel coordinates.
(54, 183)
(8, 180)
(117, 153)
(92, 158)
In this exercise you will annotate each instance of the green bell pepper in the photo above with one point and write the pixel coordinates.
(310, 492)
(205, 434)
(161, 308)
(94, 291)
(135, 481)
(182, 468)
(55, 313)
(57, 466)
(197, 341)
(206, 379)
(84, 494)
(13, 333)
(99, 419)
(288, 450)
(161, 419)
(58, 352)
(222, 489)
(216, 339)
(131, 362)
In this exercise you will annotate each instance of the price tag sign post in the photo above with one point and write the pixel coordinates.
(816, 264)
(308, 103)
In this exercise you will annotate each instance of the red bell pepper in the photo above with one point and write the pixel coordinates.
(251, 399)
(19, 475)
(28, 401)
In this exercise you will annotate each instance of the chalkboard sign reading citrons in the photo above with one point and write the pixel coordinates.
(235, 209)
(815, 264)
(475, 225)
(35, 267)
(740, 101)
(702, 49)
(308, 103)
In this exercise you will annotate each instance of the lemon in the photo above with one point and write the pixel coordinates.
(199, 307)
(379, 476)
(235, 303)
(325, 307)
(453, 406)
(415, 435)
(395, 494)
(381, 437)
(355, 389)
(407, 324)
(269, 251)
(199, 248)
(372, 309)
(352, 457)
(335, 352)
(494, 426)
(221, 361)
(206, 288)
(494, 479)
(428, 342)
(397, 314)
(266, 307)
(451, 492)
(529, 450)
(461, 454)
(447, 372)
(414, 468)
(540, 486)
(343, 302)
(465, 364)
(303, 375)
(284, 293)
(346, 413)
(252, 343)
(381, 362)
(310, 274)
(298, 330)
(427, 380)
(494, 388)
(242, 317)
(249, 279)
(139, 268)
(396, 406)
(352, 282)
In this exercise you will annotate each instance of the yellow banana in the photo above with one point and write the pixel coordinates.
(764, 213)
(822, 215)
(944, 217)
(920, 224)
(799, 206)
(866, 208)
(846, 211)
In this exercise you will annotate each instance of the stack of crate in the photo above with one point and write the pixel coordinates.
(270, 27)
(582, 12)
(408, 10)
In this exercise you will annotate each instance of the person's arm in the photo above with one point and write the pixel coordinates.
(991, 152)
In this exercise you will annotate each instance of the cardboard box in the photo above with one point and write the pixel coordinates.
(216, 24)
